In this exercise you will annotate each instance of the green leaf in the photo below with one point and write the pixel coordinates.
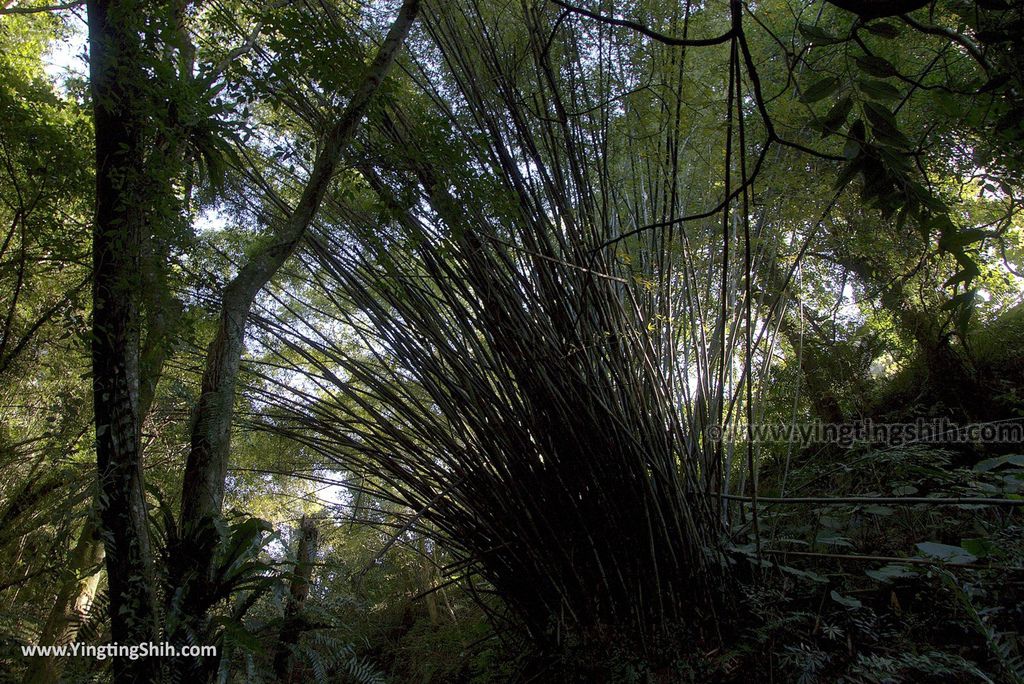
(955, 240)
(855, 136)
(236, 634)
(883, 125)
(888, 573)
(897, 163)
(946, 103)
(816, 35)
(820, 89)
(993, 463)
(851, 149)
(883, 29)
(901, 217)
(857, 131)
(876, 66)
(846, 601)
(941, 223)
(848, 173)
(959, 300)
(832, 539)
(982, 548)
(947, 553)
(965, 275)
(803, 574)
(878, 90)
(836, 116)
(879, 116)
(894, 139)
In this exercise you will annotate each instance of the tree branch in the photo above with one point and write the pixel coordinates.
(640, 28)
(44, 8)
(972, 48)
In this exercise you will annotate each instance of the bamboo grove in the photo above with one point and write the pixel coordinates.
(516, 281)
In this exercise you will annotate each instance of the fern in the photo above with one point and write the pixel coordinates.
(89, 629)
(807, 661)
(362, 670)
(1000, 646)
(910, 667)
(325, 653)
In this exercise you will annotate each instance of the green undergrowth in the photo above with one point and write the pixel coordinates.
(942, 600)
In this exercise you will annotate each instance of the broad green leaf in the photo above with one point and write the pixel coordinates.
(832, 539)
(802, 574)
(993, 463)
(965, 275)
(820, 89)
(947, 553)
(849, 171)
(897, 163)
(878, 90)
(876, 66)
(982, 548)
(847, 601)
(958, 239)
(891, 572)
(883, 125)
(816, 35)
(836, 116)
(851, 149)
(882, 29)
(855, 137)
(879, 116)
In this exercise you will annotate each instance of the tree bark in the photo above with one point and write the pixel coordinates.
(427, 576)
(291, 629)
(115, 75)
(75, 595)
(206, 468)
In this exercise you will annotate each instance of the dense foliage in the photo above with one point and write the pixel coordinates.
(474, 341)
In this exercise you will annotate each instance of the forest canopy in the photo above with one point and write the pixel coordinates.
(492, 340)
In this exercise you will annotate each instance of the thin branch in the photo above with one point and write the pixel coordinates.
(44, 8)
(972, 48)
(640, 28)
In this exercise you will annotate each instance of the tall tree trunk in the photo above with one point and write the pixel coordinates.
(291, 629)
(206, 468)
(115, 71)
(428, 574)
(74, 599)
(75, 595)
